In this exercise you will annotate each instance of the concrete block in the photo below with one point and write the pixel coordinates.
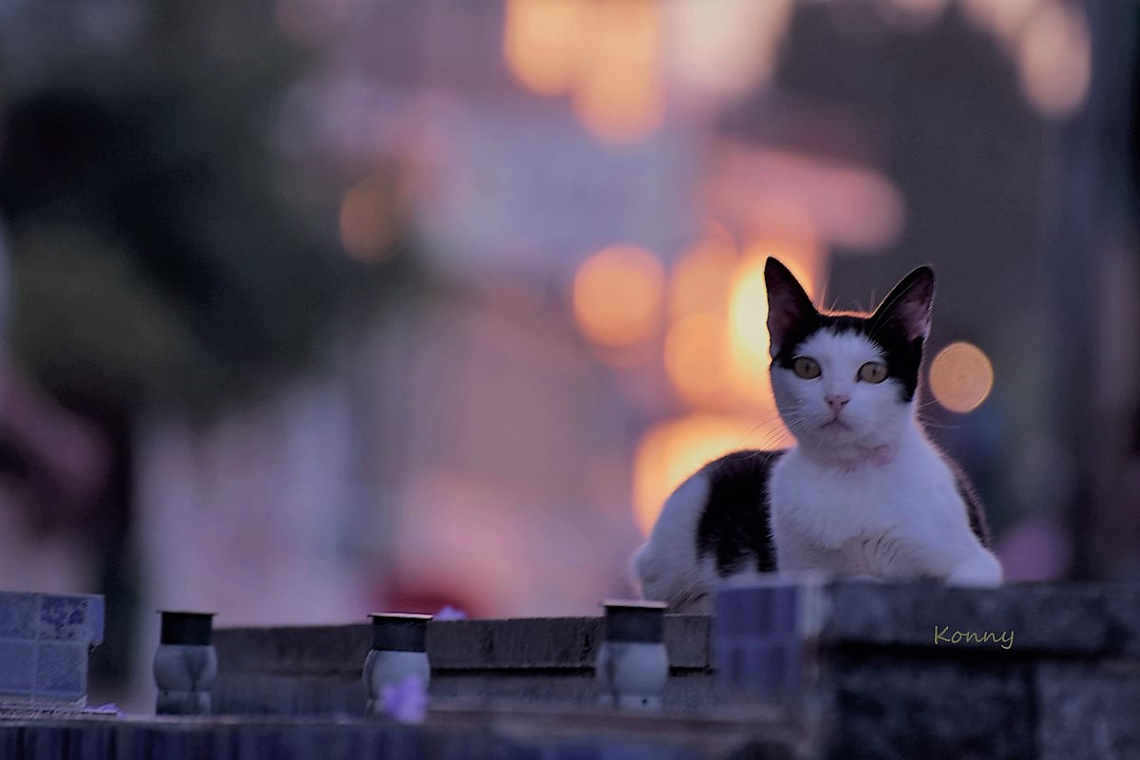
(1088, 712)
(1042, 619)
(44, 645)
(61, 669)
(903, 704)
(18, 615)
(763, 636)
(897, 670)
(451, 645)
(17, 667)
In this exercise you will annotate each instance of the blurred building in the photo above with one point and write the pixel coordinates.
(586, 191)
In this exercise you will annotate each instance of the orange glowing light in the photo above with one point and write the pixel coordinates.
(1004, 17)
(703, 276)
(1055, 58)
(748, 318)
(542, 42)
(725, 47)
(674, 450)
(619, 93)
(848, 205)
(961, 377)
(697, 359)
(619, 295)
(370, 219)
(779, 228)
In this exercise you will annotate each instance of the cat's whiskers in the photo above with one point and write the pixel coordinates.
(768, 442)
(927, 422)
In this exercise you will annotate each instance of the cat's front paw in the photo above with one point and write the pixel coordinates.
(982, 571)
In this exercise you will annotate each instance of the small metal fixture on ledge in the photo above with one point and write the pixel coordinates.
(633, 665)
(398, 653)
(185, 664)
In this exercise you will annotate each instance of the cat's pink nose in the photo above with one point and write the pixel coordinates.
(837, 401)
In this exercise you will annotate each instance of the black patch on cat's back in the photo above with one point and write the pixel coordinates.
(734, 529)
(974, 509)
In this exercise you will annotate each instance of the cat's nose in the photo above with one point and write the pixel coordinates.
(837, 401)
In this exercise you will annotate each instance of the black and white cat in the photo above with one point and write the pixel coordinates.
(862, 492)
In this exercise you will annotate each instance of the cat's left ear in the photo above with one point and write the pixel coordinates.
(788, 303)
(909, 307)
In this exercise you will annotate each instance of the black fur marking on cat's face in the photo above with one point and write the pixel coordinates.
(898, 327)
(901, 325)
(734, 529)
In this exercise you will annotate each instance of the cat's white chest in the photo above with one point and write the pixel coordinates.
(873, 520)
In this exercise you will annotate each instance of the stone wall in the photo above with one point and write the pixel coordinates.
(470, 736)
(1064, 684)
(317, 670)
(915, 670)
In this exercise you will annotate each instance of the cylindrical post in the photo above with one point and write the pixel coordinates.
(633, 665)
(185, 663)
(398, 653)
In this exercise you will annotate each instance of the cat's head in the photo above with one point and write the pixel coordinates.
(845, 382)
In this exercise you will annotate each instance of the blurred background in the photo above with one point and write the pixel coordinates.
(316, 307)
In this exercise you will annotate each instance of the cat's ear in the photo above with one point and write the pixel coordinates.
(787, 302)
(909, 307)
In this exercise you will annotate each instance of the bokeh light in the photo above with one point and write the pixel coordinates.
(370, 219)
(620, 95)
(696, 347)
(1003, 17)
(961, 377)
(1055, 58)
(697, 360)
(702, 278)
(748, 320)
(542, 43)
(674, 450)
(724, 47)
(619, 295)
(848, 204)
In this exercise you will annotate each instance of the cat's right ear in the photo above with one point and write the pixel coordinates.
(788, 304)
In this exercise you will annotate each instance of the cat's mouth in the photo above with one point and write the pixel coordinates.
(835, 422)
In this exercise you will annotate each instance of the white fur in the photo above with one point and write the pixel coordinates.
(874, 417)
(667, 566)
(868, 495)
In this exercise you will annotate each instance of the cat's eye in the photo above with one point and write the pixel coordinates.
(873, 372)
(806, 368)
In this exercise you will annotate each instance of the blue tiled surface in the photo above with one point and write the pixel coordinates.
(771, 669)
(758, 612)
(63, 618)
(17, 615)
(17, 666)
(44, 644)
(62, 669)
(52, 617)
(758, 637)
